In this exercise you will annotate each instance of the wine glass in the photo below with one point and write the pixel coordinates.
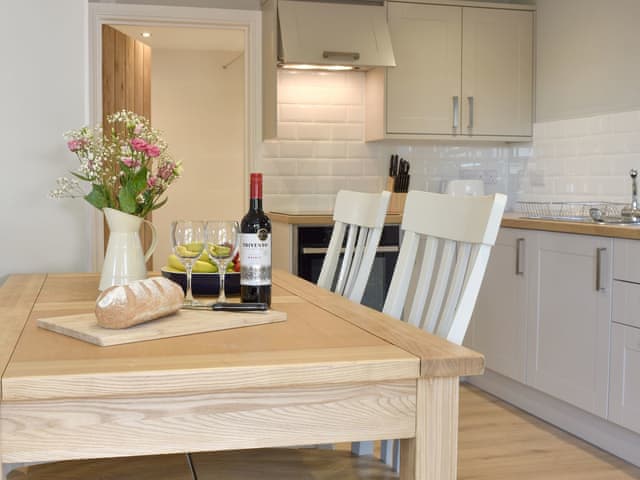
(222, 244)
(187, 240)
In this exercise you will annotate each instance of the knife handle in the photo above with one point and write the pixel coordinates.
(239, 307)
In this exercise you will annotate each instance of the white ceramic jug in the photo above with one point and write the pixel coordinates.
(125, 261)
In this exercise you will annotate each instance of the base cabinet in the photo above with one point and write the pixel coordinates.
(624, 394)
(498, 325)
(544, 313)
(568, 332)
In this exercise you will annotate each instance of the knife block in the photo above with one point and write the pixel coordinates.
(396, 203)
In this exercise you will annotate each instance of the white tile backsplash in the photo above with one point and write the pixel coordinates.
(583, 159)
(321, 149)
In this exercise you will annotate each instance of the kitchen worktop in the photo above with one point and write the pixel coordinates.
(302, 217)
(510, 220)
(515, 220)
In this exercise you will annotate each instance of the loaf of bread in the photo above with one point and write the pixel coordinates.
(122, 306)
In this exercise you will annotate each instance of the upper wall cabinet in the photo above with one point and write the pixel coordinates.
(462, 72)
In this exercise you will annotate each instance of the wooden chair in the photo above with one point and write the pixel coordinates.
(442, 261)
(359, 216)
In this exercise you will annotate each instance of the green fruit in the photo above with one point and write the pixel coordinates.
(204, 267)
(195, 247)
(174, 262)
(199, 266)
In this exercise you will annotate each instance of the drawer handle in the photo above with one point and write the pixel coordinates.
(470, 100)
(600, 284)
(520, 256)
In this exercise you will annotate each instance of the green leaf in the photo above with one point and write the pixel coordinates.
(127, 199)
(139, 180)
(97, 197)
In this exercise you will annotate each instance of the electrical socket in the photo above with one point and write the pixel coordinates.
(490, 177)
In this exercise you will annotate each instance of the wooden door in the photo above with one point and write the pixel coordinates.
(497, 72)
(126, 84)
(498, 327)
(424, 88)
(568, 330)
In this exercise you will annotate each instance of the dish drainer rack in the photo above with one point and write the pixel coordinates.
(567, 210)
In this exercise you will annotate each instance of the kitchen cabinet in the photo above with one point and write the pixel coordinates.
(498, 325)
(543, 314)
(462, 72)
(624, 390)
(568, 331)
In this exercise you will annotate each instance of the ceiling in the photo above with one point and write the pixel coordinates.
(176, 38)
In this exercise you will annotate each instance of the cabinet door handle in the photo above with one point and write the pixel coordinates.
(470, 126)
(520, 256)
(600, 284)
(352, 55)
(456, 112)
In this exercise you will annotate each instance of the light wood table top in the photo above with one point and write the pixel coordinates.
(330, 351)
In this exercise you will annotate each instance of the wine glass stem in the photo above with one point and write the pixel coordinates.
(188, 298)
(221, 270)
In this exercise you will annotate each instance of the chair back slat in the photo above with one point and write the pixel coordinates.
(425, 280)
(359, 216)
(356, 259)
(399, 286)
(332, 257)
(346, 259)
(455, 289)
(440, 286)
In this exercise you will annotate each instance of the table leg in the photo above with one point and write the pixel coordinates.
(433, 453)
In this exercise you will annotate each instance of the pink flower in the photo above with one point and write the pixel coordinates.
(138, 129)
(75, 145)
(139, 144)
(153, 150)
(130, 162)
(153, 182)
(166, 171)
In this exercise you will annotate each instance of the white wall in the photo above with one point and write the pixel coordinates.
(321, 148)
(200, 108)
(586, 138)
(588, 58)
(43, 89)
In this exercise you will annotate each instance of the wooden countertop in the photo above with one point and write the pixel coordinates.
(515, 220)
(510, 220)
(320, 218)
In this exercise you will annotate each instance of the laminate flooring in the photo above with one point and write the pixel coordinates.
(496, 442)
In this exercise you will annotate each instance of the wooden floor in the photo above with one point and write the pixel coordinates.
(496, 442)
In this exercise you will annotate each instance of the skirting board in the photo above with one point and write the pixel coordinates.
(603, 434)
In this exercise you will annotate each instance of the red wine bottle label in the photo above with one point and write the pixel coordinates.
(255, 258)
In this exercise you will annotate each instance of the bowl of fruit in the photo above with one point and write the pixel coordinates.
(204, 279)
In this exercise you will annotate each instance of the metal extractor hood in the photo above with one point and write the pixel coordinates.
(332, 34)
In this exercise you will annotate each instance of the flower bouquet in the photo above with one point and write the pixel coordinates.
(128, 167)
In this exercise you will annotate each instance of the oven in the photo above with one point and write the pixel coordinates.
(310, 247)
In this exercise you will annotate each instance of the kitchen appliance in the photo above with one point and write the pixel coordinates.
(332, 34)
(310, 247)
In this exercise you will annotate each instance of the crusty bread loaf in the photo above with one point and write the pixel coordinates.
(122, 306)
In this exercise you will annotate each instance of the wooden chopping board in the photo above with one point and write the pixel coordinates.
(185, 322)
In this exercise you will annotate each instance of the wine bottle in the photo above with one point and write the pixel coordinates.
(255, 248)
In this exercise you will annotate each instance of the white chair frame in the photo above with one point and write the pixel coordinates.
(361, 217)
(446, 245)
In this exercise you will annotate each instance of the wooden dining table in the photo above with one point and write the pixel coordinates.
(334, 371)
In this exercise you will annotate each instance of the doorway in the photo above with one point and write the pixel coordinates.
(202, 99)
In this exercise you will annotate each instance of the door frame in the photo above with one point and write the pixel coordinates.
(249, 21)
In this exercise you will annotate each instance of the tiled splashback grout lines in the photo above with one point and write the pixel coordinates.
(321, 148)
(584, 158)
